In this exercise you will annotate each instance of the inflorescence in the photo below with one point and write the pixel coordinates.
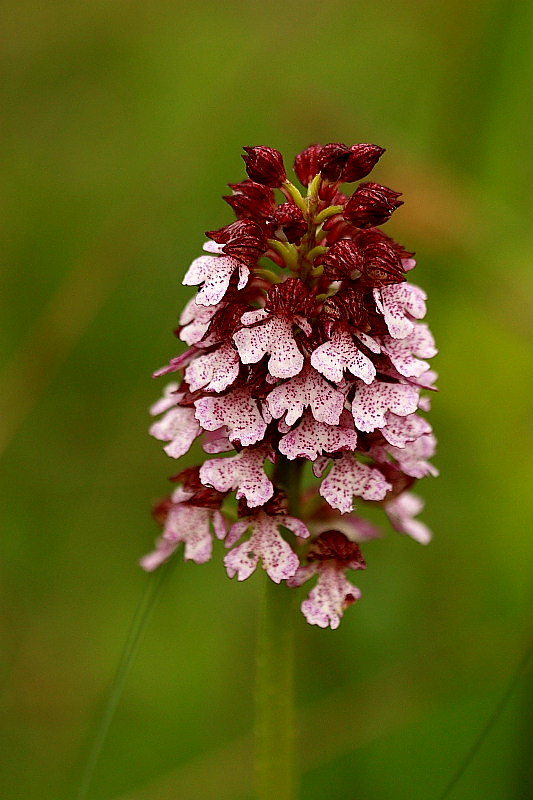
(304, 346)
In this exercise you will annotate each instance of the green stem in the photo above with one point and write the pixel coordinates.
(275, 713)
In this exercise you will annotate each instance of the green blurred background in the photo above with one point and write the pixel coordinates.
(123, 122)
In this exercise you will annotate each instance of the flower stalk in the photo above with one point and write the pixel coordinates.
(276, 737)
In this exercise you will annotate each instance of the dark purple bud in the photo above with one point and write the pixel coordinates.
(347, 164)
(306, 164)
(382, 263)
(289, 298)
(371, 205)
(251, 200)
(335, 546)
(344, 260)
(289, 217)
(265, 165)
(348, 305)
(244, 240)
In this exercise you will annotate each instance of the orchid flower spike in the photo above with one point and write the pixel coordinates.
(304, 345)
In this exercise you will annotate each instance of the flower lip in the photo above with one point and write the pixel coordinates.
(348, 164)
(265, 165)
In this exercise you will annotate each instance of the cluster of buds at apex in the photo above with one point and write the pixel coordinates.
(305, 347)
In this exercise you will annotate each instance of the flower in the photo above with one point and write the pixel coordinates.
(305, 345)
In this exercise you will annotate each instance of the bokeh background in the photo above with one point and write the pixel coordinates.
(123, 122)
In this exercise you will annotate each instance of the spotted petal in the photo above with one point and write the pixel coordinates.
(215, 272)
(401, 512)
(191, 525)
(403, 352)
(178, 427)
(238, 411)
(340, 353)
(243, 472)
(371, 403)
(332, 595)
(400, 430)
(266, 543)
(195, 321)
(273, 336)
(412, 459)
(215, 371)
(307, 389)
(349, 477)
(311, 438)
(399, 303)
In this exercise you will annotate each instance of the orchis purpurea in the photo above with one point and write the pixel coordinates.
(304, 345)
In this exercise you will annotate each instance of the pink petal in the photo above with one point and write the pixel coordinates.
(320, 465)
(412, 459)
(163, 551)
(212, 247)
(371, 403)
(217, 441)
(311, 438)
(195, 320)
(401, 511)
(168, 400)
(400, 430)
(215, 371)
(178, 427)
(273, 336)
(397, 299)
(177, 363)
(295, 525)
(188, 524)
(349, 477)
(340, 353)
(279, 560)
(327, 602)
(307, 389)
(214, 272)
(402, 352)
(238, 411)
(243, 472)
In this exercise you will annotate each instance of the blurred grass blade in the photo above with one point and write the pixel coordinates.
(138, 626)
(471, 754)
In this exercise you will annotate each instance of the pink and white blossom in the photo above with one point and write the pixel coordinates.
(243, 473)
(311, 438)
(178, 427)
(319, 357)
(401, 512)
(407, 354)
(238, 411)
(332, 595)
(278, 558)
(274, 335)
(195, 320)
(214, 272)
(214, 371)
(398, 431)
(349, 477)
(340, 353)
(371, 403)
(306, 389)
(400, 303)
